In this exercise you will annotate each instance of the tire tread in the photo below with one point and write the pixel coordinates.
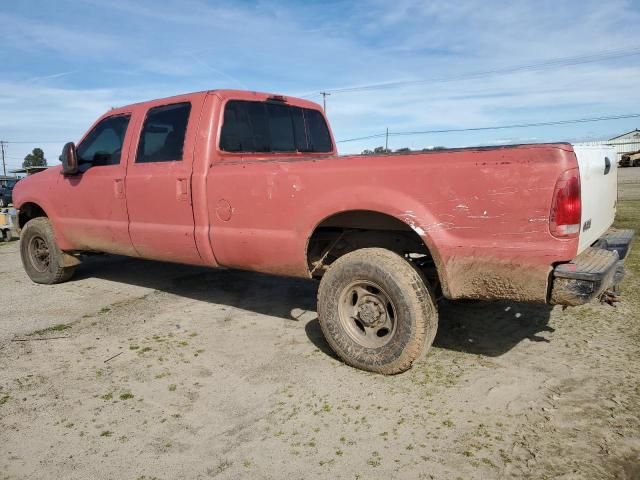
(399, 271)
(56, 273)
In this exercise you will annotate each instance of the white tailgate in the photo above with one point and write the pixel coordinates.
(599, 191)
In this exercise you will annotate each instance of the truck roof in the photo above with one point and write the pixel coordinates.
(226, 94)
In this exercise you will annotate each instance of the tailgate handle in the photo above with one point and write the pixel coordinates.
(607, 165)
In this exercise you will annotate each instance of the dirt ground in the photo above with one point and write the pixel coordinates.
(143, 370)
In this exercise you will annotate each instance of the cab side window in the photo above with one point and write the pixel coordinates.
(162, 138)
(251, 126)
(103, 145)
(319, 138)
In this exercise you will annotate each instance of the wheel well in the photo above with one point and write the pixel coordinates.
(29, 211)
(348, 231)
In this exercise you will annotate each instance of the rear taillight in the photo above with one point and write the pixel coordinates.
(566, 207)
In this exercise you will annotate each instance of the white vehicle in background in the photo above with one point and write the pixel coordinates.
(8, 224)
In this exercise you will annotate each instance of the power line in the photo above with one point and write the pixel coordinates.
(37, 141)
(545, 65)
(376, 135)
(387, 133)
(499, 127)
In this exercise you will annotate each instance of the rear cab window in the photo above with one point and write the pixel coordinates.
(273, 127)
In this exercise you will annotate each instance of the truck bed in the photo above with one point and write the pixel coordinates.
(482, 212)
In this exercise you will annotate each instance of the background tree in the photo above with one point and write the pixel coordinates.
(35, 159)
(381, 150)
(376, 151)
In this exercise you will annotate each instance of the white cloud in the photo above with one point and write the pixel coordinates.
(308, 47)
(28, 34)
(47, 117)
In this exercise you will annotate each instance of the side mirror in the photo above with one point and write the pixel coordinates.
(69, 159)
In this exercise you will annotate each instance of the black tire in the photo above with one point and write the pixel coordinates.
(41, 257)
(373, 283)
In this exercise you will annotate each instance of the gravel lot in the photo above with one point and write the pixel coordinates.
(225, 374)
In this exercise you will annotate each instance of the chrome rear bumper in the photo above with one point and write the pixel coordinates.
(596, 270)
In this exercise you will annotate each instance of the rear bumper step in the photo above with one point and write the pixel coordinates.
(595, 270)
(616, 239)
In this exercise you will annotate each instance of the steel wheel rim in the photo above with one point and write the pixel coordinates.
(39, 254)
(367, 314)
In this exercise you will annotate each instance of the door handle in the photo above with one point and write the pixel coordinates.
(118, 187)
(182, 189)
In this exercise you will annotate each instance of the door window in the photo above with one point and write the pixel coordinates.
(103, 145)
(273, 127)
(162, 138)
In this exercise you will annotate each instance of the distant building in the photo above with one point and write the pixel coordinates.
(28, 170)
(626, 143)
(633, 135)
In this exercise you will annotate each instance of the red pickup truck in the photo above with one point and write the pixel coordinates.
(252, 181)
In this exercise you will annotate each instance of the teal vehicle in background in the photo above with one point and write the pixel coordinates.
(6, 190)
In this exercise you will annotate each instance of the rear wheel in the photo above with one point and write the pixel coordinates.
(376, 311)
(41, 257)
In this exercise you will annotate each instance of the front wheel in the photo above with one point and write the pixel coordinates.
(376, 311)
(41, 257)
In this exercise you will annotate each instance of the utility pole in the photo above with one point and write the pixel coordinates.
(4, 165)
(324, 101)
(386, 141)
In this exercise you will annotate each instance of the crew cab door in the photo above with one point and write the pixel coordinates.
(158, 183)
(90, 206)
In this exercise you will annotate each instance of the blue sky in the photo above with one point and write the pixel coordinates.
(66, 62)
